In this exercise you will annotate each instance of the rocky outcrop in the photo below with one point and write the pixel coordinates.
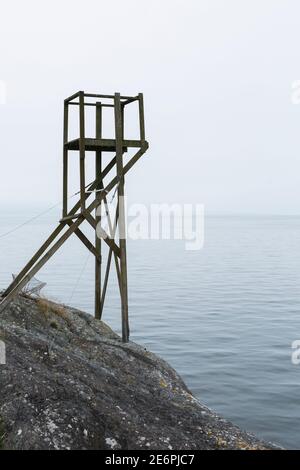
(70, 383)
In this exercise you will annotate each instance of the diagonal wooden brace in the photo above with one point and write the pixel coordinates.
(104, 235)
(38, 261)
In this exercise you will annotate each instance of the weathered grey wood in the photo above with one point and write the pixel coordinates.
(39, 264)
(57, 231)
(136, 157)
(107, 271)
(92, 186)
(98, 170)
(104, 235)
(122, 234)
(112, 232)
(76, 103)
(104, 105)
(112, 235)
(24, 275)
(107, 105)
(74, 220)
(104, 173)
(115, 180)
(130, 100)
(82, 150)
(72, 97)
(107, 145)
(142, 117)
(33, 260)
(86, 242)
(22, 280)
(60, 227)
(70, 217)
(65, 161)
(95, 95)
(105, 282)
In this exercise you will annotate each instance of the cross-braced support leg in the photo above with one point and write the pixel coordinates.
(57, 239)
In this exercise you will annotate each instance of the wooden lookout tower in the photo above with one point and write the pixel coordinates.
(97, 190)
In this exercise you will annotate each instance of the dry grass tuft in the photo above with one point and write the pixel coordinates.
(50, 308)
(2, 335)
(44, 307)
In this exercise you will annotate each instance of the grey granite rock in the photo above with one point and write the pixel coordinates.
(70, 383)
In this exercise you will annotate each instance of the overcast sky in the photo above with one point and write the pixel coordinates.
(216, 77)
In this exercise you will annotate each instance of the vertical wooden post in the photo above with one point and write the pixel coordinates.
(82, 150)
(142, 117)
(98, 169)
(65, 160)
(121, 205)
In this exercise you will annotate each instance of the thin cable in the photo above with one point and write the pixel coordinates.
(115, 192)
(33, 218)
(79, 278)
(86, 186)
(28, 221)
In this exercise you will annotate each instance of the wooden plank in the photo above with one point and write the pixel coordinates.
(104, 105)
(99, 299)
(72, 97)
(105, 282)
(122, 228)
(82, 150)
(107, 271)
(142, 117)
(95, 95)
(39, 264)
(86, 242)
(98, 170)
(56, 232)
(135, 158)
(70, 217)
(103, 144)
(14, 287)
(112, 231)
(130, 100)
(33, 260)
(104, 173)
(76, 103)
(65, 160)
(115, 180)
(104, 235)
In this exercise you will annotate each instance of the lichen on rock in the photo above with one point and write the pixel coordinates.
(70, 383)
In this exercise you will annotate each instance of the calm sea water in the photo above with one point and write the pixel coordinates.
(224, 317)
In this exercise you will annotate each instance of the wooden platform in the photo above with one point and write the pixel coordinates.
(105, 145)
